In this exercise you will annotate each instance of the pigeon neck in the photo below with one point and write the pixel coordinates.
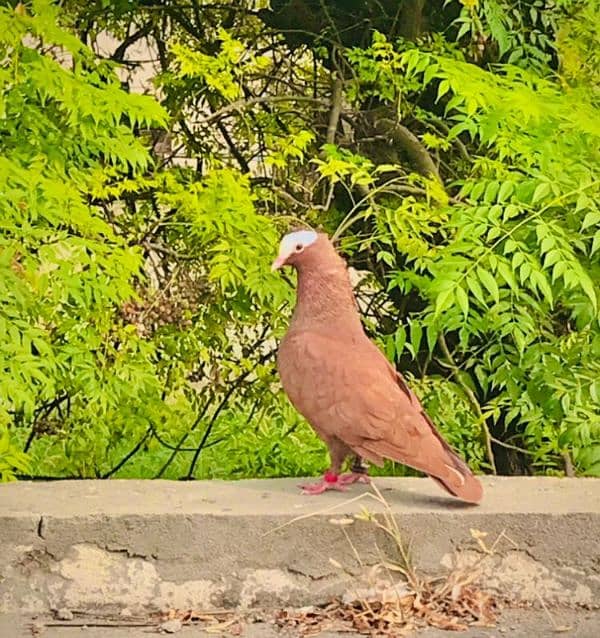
(325, 300)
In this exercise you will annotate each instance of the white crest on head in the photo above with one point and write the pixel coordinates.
(292, 241)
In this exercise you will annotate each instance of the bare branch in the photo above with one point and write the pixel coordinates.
(569, 468)
(235, 151)
(472, 400)
(336, 109)
(121, 50)
(412, 146)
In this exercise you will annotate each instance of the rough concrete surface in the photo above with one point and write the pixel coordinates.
(107, 546)
(512, 624)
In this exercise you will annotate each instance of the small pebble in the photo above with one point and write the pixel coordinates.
(64, 614)
(171, 626)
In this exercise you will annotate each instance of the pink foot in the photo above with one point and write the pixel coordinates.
(330, 481)
(353, 477)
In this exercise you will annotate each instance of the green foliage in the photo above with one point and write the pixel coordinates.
(80, 370)
(457, 166)
(518, 34)
(12, 460)
(64, 271)
(515, 277)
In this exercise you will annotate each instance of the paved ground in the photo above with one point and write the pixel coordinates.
(513, 624)
(272, 497)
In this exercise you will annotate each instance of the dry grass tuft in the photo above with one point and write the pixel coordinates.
(398, 599)
(395, 599)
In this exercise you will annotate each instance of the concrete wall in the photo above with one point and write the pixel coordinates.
(141, 545)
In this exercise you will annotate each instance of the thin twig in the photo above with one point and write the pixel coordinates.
(165, 250)
(126, 458)
(121, 50)
(96, 623)
(239, 105)
(326, 510)
(178, 448)
(43, 412)
(555, 626)
(569, 468)
(233, 387)
(510, 446)
(472, 400)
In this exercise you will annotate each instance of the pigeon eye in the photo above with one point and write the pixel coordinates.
(299, 248)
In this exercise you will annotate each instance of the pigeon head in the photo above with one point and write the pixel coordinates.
(301, 248)
(324, 295)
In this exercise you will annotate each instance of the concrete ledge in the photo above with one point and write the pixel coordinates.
(142, 545)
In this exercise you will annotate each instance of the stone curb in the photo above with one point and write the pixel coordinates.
(143, 545)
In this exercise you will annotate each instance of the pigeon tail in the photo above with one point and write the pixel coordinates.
(459, 480)
(451, 472)
(467, 488)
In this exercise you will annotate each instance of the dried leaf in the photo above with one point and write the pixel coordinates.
(341, 521)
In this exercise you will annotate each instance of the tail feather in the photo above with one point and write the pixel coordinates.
(451, 472)
(469, 490)
(464, 484)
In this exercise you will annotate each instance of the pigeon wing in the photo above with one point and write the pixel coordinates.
(350, 391)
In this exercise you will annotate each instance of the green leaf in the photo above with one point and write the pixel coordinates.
(489, 283)
(444, 300)
(595, 243)
(443, 88)
(490, 192)
(506, 190)
(539, 280)
(541, 192)
(475, 288)
(432, 336)
(508, 275)
(463, 300)
(416, 334)
(399, 340)
(591, 219)
(587, 285)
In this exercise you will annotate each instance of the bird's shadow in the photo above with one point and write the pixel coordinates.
(404, 499)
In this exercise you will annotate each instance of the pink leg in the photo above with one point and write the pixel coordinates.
(330, 481)
(353, 477)
(358, 472)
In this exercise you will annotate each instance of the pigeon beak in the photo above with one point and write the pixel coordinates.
(278, 263)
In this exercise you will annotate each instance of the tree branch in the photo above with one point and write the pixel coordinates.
(569, 468)
(472, 400)
(336, 109)
(412, 146)
(126, 458)
(179, 446)
(239, 105)
(233, 387)
(43, 412)
(241, 160)
(121, 50)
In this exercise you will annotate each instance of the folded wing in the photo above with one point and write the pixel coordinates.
(354, 394)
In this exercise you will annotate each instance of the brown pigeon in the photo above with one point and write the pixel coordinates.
(344, 386)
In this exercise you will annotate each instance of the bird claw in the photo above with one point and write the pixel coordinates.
(313, 489)
(353, 477)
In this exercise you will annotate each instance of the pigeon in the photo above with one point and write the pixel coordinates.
(343, 385)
